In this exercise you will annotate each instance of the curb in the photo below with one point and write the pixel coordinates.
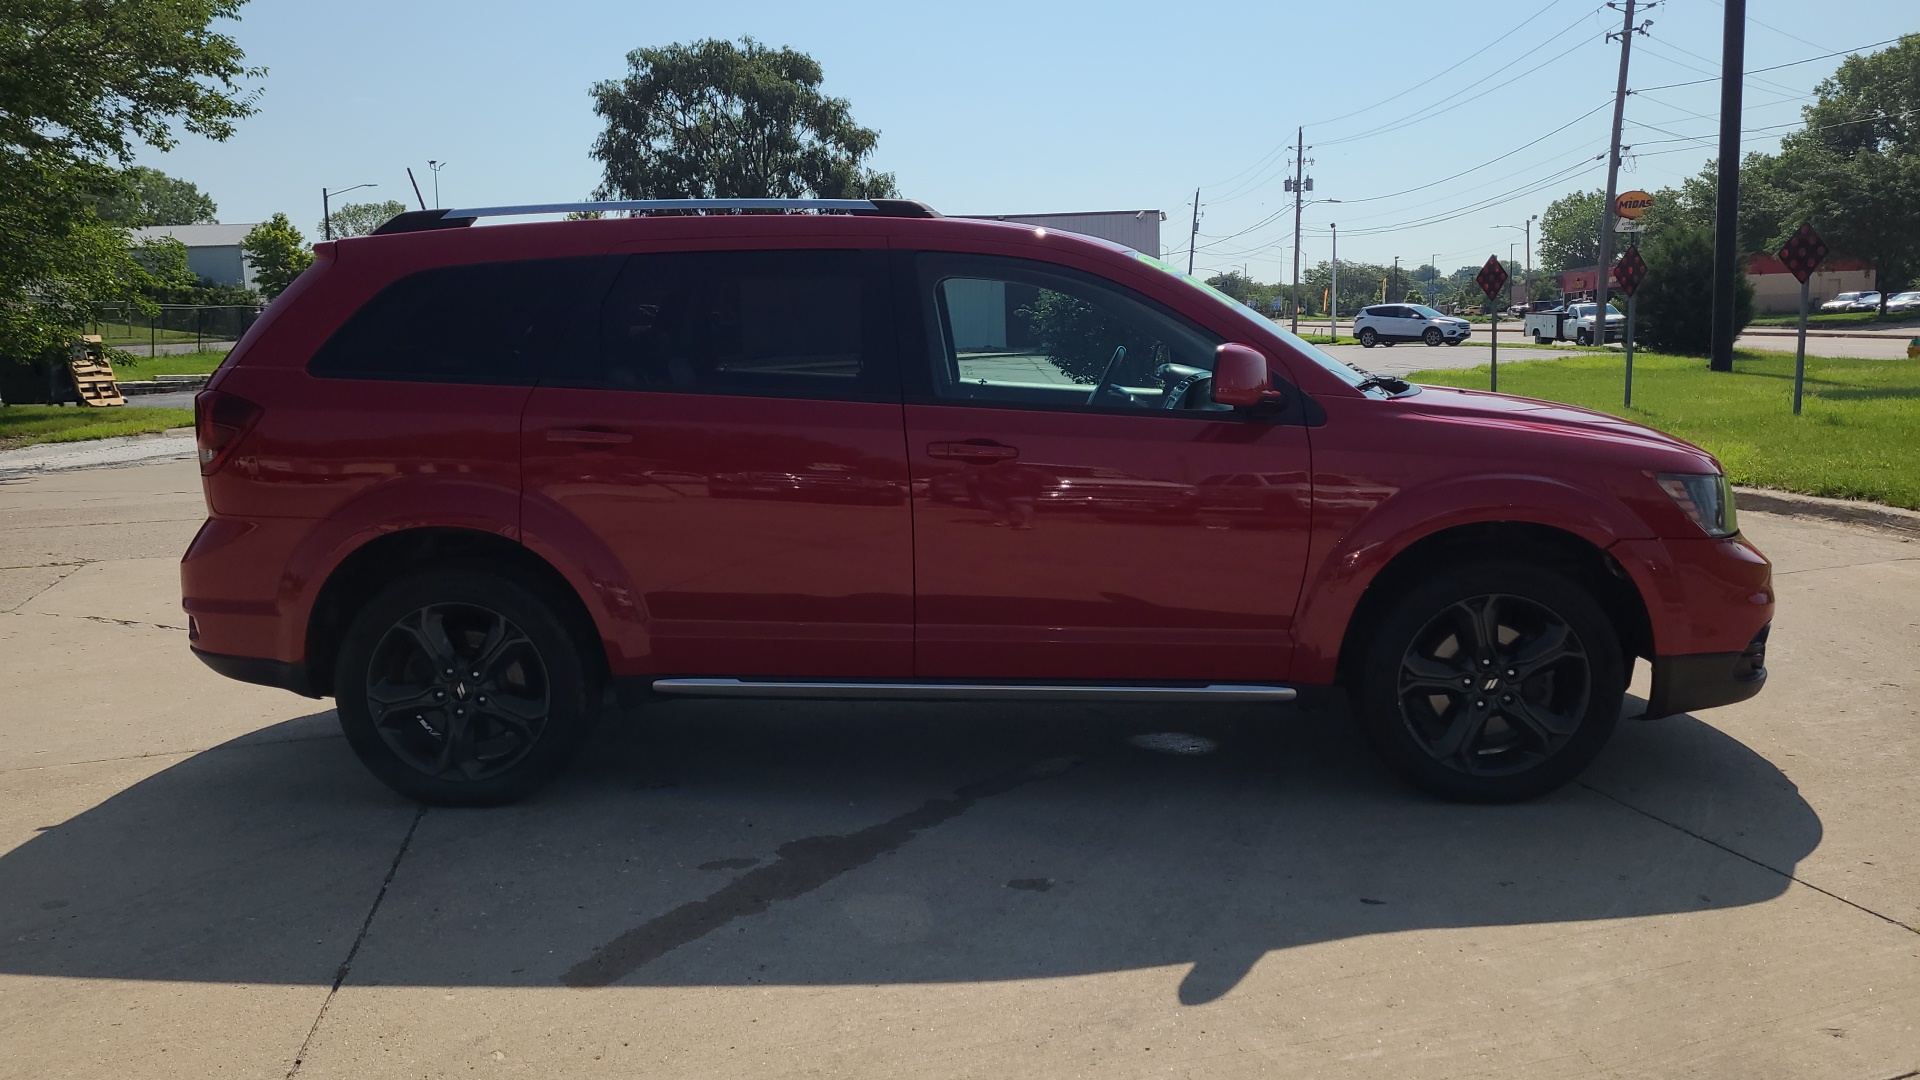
(1881, 335)
(1845, 511)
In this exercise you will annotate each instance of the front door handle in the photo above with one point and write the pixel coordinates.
(980, 452)
(597, 436)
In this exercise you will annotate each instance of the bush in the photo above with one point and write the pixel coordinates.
(1674, 308)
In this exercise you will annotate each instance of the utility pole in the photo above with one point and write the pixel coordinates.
(1605, 270)
(1393, 280)
(1195, 234)
(1434, 281)
(1300, 186)
(1726, 216)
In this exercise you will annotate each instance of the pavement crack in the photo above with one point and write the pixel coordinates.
(803, 866)
(346, 965)
(98, 618)
(1789, 875)
(15, 609)
(1848, 566)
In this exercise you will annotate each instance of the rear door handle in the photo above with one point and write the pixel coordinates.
(587, 435)
(972, 451)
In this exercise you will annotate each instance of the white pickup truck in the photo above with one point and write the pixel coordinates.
(1573, 322)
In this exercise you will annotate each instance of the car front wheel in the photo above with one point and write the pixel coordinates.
(1432, 337)
(1490, 683)
(464, 688)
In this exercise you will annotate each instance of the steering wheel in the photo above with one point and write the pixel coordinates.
(1106, 377)
(1180, 381)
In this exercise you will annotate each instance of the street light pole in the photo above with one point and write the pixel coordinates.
(326, 209)
(436, 166)
(1333, 290)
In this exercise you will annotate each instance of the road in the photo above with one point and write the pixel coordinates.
(188, 865)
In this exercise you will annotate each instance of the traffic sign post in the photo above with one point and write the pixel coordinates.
(1628, 273)
(1802, 255)
(1491, 279)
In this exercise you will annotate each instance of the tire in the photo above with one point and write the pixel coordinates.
(1368, 339)
(442, 733)
(1581, 337)
(1432, 337)
(1488, 739)
(1539, 338)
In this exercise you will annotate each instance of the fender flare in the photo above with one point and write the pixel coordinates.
(1341, 568)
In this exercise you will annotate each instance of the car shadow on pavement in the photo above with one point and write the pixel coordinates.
(715, 843)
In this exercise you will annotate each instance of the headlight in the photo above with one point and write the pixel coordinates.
(1708, 500)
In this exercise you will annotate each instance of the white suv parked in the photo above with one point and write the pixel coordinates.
(1384, 324)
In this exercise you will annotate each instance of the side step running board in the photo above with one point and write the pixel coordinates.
(934, 691)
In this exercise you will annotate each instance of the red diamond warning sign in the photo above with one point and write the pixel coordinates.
(1492, 277)
(1804, 252)
(1630, 271)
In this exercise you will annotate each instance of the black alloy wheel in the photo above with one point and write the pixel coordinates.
(466, 686)
(1494, 685)
(1490, 682)
(458, 692)
(1432, 337)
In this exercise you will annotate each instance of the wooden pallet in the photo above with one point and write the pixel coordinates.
(93, 377)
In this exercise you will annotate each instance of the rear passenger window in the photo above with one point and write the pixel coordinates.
(482, 323)
(764, 323)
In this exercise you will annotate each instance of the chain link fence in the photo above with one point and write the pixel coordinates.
(171, 328)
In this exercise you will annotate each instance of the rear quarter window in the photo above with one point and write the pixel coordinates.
(479, 323)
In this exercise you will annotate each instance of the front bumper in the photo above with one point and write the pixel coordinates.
(1705, 680)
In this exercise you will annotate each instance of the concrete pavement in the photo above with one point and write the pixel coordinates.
(196, 878)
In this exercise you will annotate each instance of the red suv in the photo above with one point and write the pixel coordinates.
(468, 481)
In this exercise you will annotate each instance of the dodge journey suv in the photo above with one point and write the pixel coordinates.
(471, 482)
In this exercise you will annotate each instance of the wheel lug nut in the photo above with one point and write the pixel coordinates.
(1486, 663)
(1480, 704)
(1508, 698)
(449, 672)
(476, 675)
(483, 699)
(439, 695)
(1510, 673)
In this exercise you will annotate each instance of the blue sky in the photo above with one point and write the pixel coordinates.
(994, 107)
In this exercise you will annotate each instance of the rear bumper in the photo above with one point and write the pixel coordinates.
(261, 671)
(1704, 680)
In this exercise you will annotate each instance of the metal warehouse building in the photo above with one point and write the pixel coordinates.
(1137, 229)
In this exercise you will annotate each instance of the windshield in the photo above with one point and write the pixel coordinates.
(1426, 312)
(1349, 375)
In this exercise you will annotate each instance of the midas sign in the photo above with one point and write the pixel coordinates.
(1632, 204)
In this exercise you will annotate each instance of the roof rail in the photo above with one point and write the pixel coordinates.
(424, 220)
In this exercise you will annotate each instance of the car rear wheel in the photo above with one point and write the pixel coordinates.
(1368, 339)
(1490, 683)
(1432, 337)
(464, 688)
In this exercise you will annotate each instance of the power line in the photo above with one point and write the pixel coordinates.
(1775, 67)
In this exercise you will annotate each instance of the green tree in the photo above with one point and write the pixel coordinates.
(359, 219)
(85, 82)
(1674, 308)
(1570, 231)
(277, 252)
(718, 120)
(143, 196)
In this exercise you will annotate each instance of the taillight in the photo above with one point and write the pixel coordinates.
(219, 420)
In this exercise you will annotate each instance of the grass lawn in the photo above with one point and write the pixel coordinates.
(23, 425)
(193, 363)
(1858, 436)
(1865, 320)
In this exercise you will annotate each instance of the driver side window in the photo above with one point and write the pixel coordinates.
(1016, 332)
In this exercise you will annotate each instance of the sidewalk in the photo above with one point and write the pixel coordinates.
(97, 453)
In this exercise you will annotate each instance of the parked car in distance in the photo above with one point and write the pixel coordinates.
(1903, 302)
(1531, 306)
(1385, 324)
(1852, 301)
(472, 483)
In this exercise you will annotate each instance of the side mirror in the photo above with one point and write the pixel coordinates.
(1241, 377)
